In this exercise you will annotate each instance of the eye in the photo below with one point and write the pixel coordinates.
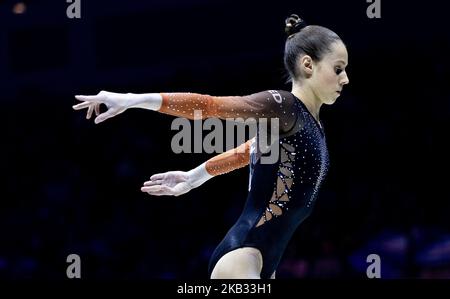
(338, 71)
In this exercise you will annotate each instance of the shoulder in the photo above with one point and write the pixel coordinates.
(281, 97)
(273, 99)
(276, 96)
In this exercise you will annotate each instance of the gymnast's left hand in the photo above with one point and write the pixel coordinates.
(173, 183)
(115, 102)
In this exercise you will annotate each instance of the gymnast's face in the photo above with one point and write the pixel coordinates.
(328, 76)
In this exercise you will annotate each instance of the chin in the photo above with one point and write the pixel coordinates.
(330, 101)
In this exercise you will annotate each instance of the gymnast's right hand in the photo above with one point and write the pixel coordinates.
(115, 102)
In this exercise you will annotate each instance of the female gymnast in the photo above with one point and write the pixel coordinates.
(282, 194)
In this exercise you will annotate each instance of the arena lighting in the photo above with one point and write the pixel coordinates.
(19, 8)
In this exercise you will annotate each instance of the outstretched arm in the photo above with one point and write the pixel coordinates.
(266, 105)
(116, 103)
(180, 182)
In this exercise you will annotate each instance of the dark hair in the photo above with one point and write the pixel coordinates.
(303, 39)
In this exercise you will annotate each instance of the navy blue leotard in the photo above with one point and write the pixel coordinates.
(282, 194)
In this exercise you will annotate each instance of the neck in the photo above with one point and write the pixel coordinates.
(308, 97)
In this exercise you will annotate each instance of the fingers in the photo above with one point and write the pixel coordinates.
(157, 190)
(104, 116)
(158, 176)
(95, 99)
(89, 112)
(151, 188)
(81, 105)
(91, 108)
(153, 183)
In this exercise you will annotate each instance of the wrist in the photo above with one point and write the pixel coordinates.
(151, 101)
(198, 175)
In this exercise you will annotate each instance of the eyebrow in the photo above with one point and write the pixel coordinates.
(341, 61)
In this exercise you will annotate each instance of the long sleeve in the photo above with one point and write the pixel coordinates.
(230, 160)
(220, 164)
(266, 104)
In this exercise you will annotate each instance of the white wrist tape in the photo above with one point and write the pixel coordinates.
(151, 101)
(198, 175)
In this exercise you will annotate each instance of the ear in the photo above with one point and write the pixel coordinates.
(306, 65)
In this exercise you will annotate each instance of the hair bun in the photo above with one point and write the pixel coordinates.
(293, 25)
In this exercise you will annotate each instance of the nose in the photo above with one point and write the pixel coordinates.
(344, 80)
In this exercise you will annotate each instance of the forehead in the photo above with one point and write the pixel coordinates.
(338, 53)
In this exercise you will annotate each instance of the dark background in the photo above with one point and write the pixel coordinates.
(70, 186)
